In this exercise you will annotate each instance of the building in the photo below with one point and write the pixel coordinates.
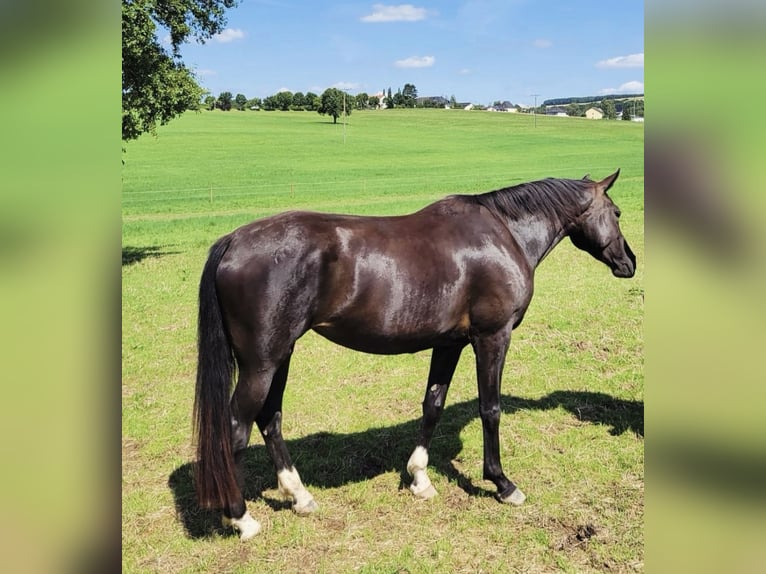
(432, 102)
(594, 113)
(505, 106)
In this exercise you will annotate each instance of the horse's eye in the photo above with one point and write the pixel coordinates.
(618, 213)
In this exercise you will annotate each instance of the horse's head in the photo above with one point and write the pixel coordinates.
(597, 231)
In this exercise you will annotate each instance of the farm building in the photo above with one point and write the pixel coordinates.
(594, 113)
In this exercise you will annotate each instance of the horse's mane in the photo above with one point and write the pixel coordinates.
(564, 199)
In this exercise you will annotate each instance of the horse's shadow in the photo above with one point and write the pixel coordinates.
(331, 460)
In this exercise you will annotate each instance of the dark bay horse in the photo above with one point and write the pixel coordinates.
(459, 271)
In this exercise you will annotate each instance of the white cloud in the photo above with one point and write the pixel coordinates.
(542, 43)
(346, 86)
(464, 71)
(229, 35)
(634, 87)
(283, 89)
(631, 61)
(416, 62)
(400, 13)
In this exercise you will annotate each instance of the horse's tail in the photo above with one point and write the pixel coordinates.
(215, 477)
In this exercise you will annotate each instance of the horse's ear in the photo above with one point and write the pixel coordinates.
(586, 177)
(604, 185)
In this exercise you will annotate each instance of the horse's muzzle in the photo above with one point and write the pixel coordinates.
(625, 265)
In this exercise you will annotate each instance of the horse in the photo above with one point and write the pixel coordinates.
(459, 271)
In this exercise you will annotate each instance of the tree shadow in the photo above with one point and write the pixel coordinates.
(331, 460)
(131, 255)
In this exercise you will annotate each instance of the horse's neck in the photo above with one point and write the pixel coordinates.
(537, 236)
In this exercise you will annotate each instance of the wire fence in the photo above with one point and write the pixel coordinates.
(220, 191)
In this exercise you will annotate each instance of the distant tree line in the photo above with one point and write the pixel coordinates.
(331, 99)
(624, 108)
(589, 99)
(335, 103)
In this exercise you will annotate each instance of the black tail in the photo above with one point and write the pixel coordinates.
(216, 481)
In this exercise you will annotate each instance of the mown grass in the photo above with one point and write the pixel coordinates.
(572, 432)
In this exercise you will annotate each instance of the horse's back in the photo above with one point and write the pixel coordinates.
(378, 284)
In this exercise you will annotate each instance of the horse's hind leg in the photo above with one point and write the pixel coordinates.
(269, 422)
(443, 363)
(248, 399)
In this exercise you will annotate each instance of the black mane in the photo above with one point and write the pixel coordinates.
(564, 199)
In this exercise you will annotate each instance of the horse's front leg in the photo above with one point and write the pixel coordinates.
(490, 357)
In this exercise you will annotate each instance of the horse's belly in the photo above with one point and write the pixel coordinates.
(382, 343)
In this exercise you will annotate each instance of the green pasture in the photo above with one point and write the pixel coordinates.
(572, 429)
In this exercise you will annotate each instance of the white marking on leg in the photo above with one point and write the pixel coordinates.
(290, 485)
(516, 498)
(421, 485)
(245, 524)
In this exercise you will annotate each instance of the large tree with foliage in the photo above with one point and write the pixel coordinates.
(224, 101)
(284, 100)
(312, 101)
(410, 95)
(362, 100)
(332, 104)
(607, 105)
(156, 85)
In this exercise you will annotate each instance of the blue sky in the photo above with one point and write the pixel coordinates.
(477, 50)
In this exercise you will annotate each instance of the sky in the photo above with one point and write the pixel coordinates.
(479, 51)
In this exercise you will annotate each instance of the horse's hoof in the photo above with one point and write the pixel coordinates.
(516, 498)
(307, 508)
(424, 493)
(247, 526)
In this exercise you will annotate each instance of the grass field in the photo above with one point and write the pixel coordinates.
(572, 432)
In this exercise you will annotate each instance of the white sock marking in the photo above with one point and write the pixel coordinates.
(416, 466)
(246, 525)
(290, 485)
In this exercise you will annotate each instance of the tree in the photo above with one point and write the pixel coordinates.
(210, 102)
(312, 101)
(299, 101)
(332, 104)
(270, 103)
(389, 101)
(362, 100)
(241, 101)
(373, 102)
(625, 113)
(224, 101)
(607, 105)
(399, 99)
(410, 95)
(284, 100)
(575, 110)
(156, 85)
